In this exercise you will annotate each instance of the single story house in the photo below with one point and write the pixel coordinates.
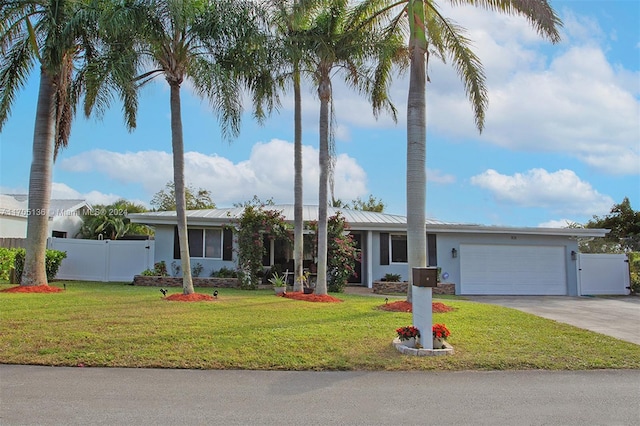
(488, 260)
(65, 216)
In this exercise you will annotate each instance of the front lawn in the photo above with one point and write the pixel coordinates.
(117, 325)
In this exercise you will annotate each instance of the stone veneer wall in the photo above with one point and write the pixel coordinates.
(156, 281)
(389, 287)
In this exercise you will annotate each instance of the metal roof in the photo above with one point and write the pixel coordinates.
(357, 220)
(18, 205)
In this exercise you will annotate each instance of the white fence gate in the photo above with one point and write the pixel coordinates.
(103, 260)
(603, 274)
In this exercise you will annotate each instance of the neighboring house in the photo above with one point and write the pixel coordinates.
(13, 218)
(65, 216)
(478, 259)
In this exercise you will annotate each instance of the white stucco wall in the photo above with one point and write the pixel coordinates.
(70, 224)
(13, 227)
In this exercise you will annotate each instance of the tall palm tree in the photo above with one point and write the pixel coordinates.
(339, 39)
(291, 18)
(431, 33)
(57, 34)
(220, 46)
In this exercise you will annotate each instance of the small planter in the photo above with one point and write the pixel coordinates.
(308, 290)
(280, 290)
(438, 343)
(410, 342)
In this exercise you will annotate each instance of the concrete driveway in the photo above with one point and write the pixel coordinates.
(618, 317)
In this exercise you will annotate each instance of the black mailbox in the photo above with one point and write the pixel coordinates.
(425, 277)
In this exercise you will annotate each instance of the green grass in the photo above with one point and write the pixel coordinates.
(116, 325)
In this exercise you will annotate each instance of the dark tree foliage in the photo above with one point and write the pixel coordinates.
(624, 223)
(165, 199)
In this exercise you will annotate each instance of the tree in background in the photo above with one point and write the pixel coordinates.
(165, 199)
(111, 221)
(624, 223)
(370, 205)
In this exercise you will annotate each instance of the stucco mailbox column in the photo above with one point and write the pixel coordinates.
(424, 279)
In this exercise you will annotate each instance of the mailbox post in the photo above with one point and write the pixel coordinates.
(424, 279)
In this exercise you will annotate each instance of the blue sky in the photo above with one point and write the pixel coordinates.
(561, 140)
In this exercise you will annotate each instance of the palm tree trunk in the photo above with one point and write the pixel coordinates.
(416, 155)
(177, 144)
(298, 238)
(324, 92)
(34, 272)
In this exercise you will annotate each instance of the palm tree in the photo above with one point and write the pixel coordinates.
(290, 18)
(57, 34)
(431, 33)
(339, 39)
(220, 47)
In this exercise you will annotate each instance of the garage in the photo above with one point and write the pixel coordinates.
(494, 269)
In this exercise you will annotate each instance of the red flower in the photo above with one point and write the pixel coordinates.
(440, 331)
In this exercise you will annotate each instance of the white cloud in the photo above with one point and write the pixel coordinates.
(268, 173)
(575, 102)
(64, 191)
(438, 176)
(560, 223)
(560, 191)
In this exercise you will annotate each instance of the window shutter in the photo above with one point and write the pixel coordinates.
(432, 252)
(227, 244)
(176, 243)
(384, 248)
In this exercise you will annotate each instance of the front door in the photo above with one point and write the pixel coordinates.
(356, 278)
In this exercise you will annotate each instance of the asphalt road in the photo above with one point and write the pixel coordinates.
(32, 395)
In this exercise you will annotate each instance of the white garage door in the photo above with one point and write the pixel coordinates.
(517, 270)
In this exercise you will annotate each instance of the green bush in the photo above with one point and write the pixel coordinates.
(224, 272)
(7, 259)
(634, 272)
(53, 261)
(159, 270)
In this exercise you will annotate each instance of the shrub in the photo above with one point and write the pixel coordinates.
(53, 260)
(634, 272)
(196, 269)
(224, 272)
(256, 224)
(341, 252)
(392, 277)
(7, 260)
(159, 270)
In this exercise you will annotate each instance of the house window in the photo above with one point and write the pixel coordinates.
(398, 248)
(203, 243)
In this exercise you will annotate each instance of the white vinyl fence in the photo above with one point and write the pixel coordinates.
(603, 274)
(103, 260)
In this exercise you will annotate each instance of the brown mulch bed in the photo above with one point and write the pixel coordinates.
(32, 289)
(298, 295)
(193, 297)
(404, 306)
